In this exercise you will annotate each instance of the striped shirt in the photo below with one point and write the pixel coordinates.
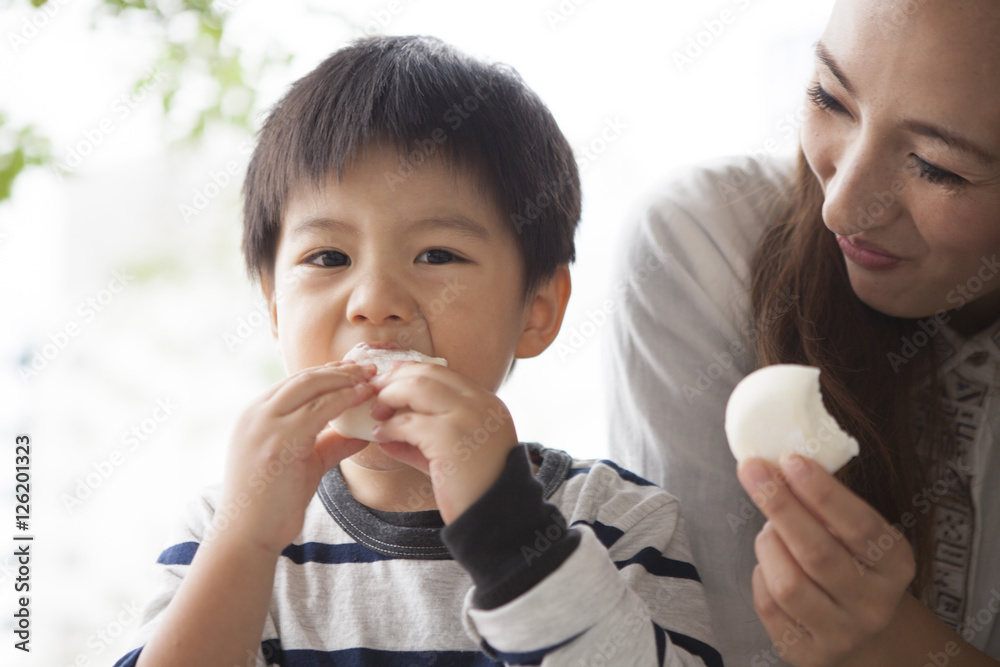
(363, 587)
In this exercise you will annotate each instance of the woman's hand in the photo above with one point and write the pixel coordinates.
(831, 571)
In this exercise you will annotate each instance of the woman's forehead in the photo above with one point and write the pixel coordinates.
(962, 32)
(939, 59)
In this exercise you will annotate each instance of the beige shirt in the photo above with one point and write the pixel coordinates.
(679, 343)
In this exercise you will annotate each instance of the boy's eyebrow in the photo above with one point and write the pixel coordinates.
(456, 223)
(321, 224)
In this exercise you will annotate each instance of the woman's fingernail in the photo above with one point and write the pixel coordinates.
(755, 472)
(795, 466)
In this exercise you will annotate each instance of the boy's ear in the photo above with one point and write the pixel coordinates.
(272, 304)
(543, 314)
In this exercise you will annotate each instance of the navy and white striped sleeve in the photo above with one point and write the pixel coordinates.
(628, 594)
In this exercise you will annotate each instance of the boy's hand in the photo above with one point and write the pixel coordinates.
(278, 454)
(446, 425)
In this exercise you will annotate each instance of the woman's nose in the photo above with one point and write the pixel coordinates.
(863, 193)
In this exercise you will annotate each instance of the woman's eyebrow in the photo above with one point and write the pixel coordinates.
(953, 141)
(823, 55)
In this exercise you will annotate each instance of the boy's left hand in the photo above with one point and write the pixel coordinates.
(446, 425)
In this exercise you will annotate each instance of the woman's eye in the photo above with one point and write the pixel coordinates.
(438, 256)
(328, 259)
(824, 100)
(937, 175)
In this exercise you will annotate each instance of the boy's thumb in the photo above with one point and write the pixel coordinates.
(333, 448)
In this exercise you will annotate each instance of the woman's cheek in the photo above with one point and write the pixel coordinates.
(818, 146)
(962, 229)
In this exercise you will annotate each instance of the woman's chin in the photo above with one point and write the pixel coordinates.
(880, 295)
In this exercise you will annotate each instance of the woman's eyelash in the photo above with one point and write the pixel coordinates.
(824, 100)
(929, 172)
(937, 175)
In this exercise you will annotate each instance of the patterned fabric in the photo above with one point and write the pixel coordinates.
(970, 374)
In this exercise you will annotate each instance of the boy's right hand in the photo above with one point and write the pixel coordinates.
(278, 454)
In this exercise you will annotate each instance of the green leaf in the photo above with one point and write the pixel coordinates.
(11, 165)
(205, 52)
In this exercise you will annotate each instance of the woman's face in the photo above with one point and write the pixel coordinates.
(903, 133)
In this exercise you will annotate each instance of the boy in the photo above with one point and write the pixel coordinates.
(407, 196)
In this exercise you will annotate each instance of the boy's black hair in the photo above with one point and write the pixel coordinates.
(429, 101)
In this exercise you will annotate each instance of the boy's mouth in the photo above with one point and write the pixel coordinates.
(384, 346)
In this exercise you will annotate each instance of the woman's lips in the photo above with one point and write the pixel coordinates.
(866, 255)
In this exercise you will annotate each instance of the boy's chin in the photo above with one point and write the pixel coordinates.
(373, 458)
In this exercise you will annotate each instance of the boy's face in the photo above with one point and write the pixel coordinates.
(425, 264)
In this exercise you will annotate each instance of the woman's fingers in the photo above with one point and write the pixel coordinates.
(820, 555)
(776, 621)
(815, 555)
(874, 541)
(803, 489)
(788, 586)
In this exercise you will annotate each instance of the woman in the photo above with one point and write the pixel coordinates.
(875, 258)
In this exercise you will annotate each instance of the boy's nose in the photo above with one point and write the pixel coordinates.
(378, 298)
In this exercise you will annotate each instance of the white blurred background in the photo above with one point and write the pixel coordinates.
(115, 301)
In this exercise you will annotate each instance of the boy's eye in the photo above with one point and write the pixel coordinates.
(437, 256)
(328, 259)
(824, 100)
(937, 175)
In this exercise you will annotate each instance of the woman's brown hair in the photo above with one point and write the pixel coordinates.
(831, 328)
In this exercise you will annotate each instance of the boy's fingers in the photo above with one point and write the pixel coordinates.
(305, 387)
(406, 453)
(332, 448)
(278, 386)
(313, 416)
(408, 427)
(419, 393)
(407, 369)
